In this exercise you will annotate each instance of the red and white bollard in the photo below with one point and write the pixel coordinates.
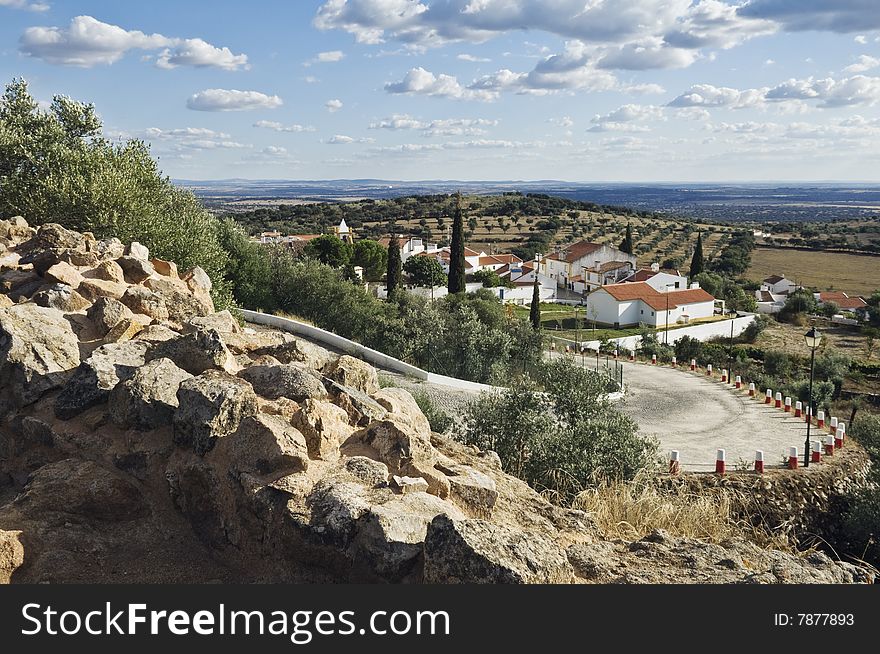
(759, 461)
(820, 419)
(693, 364)
(632, 356)
(842, 427)
(719, 462)
(778, 400)
(653, 359)
(838, 438)
(829, 445)
(798, 409)
(709, 369)
(674, 463)
(808, 414)
(751, 389)
(724, 376)
(816, 454)
(788, 405)
(833, 425)
(615, 354)
(768, 396)
(792, 458)
(738, 382)
(674, 362)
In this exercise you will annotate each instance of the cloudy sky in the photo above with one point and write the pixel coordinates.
(581, 90)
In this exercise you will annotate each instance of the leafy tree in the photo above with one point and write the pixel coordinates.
(330, 250)
(490, 279)
(372, 257)
(798, 304)
(392, 276)
(425, 271)
(249, 270)
(55, 166)
(535, 309)
(456, 254)
(627, 244)
(697, 259)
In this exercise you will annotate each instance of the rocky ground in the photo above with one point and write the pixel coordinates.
(146, 438)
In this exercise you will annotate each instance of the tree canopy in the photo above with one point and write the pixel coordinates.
(425, 271)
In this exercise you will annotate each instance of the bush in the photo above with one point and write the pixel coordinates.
(439, 420)
(562, 440)
(778, 364)
(687, 348)
(753, 330)
(55, 166)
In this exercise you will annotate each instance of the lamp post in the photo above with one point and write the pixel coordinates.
(812, 339)
(666, 333)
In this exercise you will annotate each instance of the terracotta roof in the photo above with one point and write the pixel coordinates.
(614, 265)
(490, 260)
(575, 251)
(630, 291)
(773, 279)
(842, 300)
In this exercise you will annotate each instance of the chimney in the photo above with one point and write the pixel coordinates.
(598, 265)
(695, 285)
(655, 267)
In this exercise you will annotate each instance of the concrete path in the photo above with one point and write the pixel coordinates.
(696, 416)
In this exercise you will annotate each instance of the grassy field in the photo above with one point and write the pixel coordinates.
(851, 273)
(790, 339)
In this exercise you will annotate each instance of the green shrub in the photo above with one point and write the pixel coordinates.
(778, 364)
(439, 420)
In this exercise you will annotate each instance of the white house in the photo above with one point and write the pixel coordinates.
(411, 246)
(659, 279)
(583, 257)
(778, 285)
(637, 302)
(770, 302)
(844, 302)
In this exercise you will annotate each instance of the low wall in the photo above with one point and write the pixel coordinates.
(360, 351)
(701, 332)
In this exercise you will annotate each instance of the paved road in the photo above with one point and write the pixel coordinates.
(696, 416)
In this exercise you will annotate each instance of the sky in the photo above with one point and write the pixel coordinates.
(577, 90)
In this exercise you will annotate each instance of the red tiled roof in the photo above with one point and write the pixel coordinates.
(654, 298)
(575, 251)
(842, 300)
(773, 279)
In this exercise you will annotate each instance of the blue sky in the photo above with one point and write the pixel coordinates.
(581, 90)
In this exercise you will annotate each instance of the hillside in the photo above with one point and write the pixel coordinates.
(146, 438)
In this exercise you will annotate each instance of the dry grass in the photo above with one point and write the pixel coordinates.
(632, 510)
(851, 273)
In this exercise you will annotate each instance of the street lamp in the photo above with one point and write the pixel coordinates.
(812, 338)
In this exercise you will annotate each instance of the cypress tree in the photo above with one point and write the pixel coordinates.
(627, 244)
(697, 260)
(535, 311)
(456, 254)
(394, 266)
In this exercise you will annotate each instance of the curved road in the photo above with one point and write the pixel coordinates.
(690, 413)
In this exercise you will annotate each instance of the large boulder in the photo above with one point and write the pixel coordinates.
(182, 304)
(401, 404)
(107, 270)
(211, 406)
(11, 554)
(63, 273)
(264, 444)
(38, 352)
(92, 289)
(135, 270)
(281, 345)
(61, 297)
(476, 551)
(196, 352)
(15, 279)
(105, 313)
(98, 375)
(284, 380)
(470, 489)
(15, 230)
(143, 300)
(199, 283)
(360, 407)
(148, 399)
(325, 427)
(358, 374)
(165, 268)
(223, 321)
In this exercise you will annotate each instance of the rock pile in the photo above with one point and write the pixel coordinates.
(146, 437)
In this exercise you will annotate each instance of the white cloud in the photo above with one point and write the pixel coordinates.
(310, 79)
(275, 151)
(25, 4)
(279, 127)
(438, 127)
(849, 91)
(473, 58)
(333, 105)
(88, 42)
(419, 81)
(863, 63)
(706, 95)
(646, 55)
(814, 15)
(629, 113)
(861, 39)
(564, 122)
(187, 139)
(232, 100)
(329, 57)
(611, 126)
(342, 139)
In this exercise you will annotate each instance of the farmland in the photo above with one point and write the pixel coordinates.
(854, 274)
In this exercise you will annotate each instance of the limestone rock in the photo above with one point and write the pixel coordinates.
(148, 399)
(5, 301)
(470, 489)
(355, 373)
(61, 297)
(324, 425)
(196, 352)
(64, 273)
(165, 268)
(156, 334)
(284, 380)
(109, 249)
(15, 230)
(369, 471)
(145, 301)
(400, 403)
(136, 270)
(107, 270)
(265, 444)
(281, 345)
(222, 321)
(98, 375)
(360, 407)
(12, 280)
(477, 551)
(125, 330)
(11, 552)
(138, 251)
(92, 289)
(182, 304)
(8, 260)
(38, 352)
(105, 313)
(410, 484)
(211, 406)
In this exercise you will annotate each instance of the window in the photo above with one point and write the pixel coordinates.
(652, 313)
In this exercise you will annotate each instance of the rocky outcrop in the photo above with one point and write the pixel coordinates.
(145, 438)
